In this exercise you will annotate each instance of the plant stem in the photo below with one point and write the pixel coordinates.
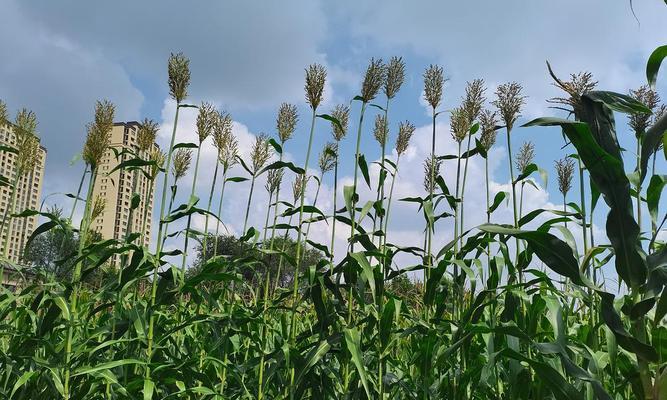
(210, 201)
(158, 250)
(391, 193)
(74, 296)
(78, 192)
(247, 209)
(638, 187)
(187, 229)
(463, 187)
(298, 258)
(217, 225)
(516, 220)
(317, 194)
(429, 228)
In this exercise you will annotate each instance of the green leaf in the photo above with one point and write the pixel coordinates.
(280, 165)
(499, 197)
(556, 382)
(236, 179)
(9, 149)
(650, 142)
(134, 203)
(653, 193)
(185, 146)
(618, 102)
(331, 119)
(555, 253)
(606, 170)
(353, 341)
(149, 386)
(364, 169)
(348, 196)
(390, 315)
(366, 269)
(530, 168)
(653, 63)
(22, 381)
(276, 146)
(108, 365)
(623, 338)
(314, 356)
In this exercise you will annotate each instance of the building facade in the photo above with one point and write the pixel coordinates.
(117, 187)
(28, 194)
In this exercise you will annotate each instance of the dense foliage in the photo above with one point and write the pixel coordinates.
(500, 312)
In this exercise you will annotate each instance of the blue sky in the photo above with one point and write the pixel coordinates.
(248, 57)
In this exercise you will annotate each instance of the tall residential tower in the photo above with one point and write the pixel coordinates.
(116, 188)
(28, 193)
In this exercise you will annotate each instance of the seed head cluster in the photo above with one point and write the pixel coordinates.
(395, 77)
(431, 172)
(381, 129)
(273, 180)
(99, 205)
(206, 120)
(316, 76)
(222, 130)
(474, 99)
(639, 122)
(178, 69)
(286, 121)
(299, 187)
(147, 134)
(327, 159)
(261, 152)
(565, 171)
(578, 85)
(374, 79)
(229, 152)
(182, 160)
(99, 133)
(159, 158)
(433, 85)
(509, 101)
(459, 124)
(405, 132)
(488, 122)
(526, 156)
(341, 113)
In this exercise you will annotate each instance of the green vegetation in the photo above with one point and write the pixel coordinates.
(501, 312)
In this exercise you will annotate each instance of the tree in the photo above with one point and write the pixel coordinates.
(54, 251)
(230, 246)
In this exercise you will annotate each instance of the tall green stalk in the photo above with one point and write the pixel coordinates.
(217, 225)
(76, 275)
(297, 259)
(184, 259)
(210, 201)
(78, 192)
(429, 228)
(247, 208)
(160, 243)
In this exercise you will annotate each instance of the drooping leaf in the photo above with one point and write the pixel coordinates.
(653, 63)
(606, 170)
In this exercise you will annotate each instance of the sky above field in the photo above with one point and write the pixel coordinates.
(248, 57)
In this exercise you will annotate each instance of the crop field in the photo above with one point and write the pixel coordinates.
(501, 311)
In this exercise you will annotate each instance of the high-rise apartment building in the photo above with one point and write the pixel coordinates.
(116, 188)
(28, 193)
